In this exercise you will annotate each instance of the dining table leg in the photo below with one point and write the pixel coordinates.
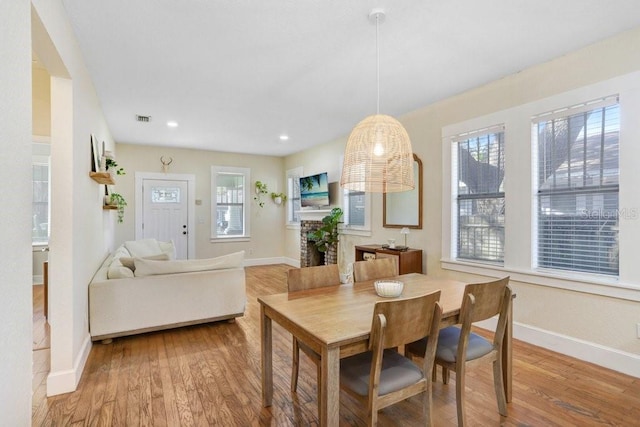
(266, 358)
(330, 396)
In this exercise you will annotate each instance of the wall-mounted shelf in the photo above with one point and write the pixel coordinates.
(102, 178)
(109, 207)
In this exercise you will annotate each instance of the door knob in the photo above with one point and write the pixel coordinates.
(184, 232)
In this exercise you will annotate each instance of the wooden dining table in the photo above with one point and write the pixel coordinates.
(335, 322)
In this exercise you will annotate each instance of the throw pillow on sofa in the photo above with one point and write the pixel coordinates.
(148, 267)
(130, 264)
(118, 271)
(143, 248)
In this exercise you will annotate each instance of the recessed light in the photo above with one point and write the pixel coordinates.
(172, 124)
(284, 137)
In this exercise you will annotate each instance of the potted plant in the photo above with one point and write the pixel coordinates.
(326, 237)
(113, 165)
(119, 202)
(261, 188)
(278, 198)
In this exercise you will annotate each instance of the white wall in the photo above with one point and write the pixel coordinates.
(267, 223)
(80, 233)
(556, 318)
(15, 228)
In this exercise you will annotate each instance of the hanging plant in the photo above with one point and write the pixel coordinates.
(278, 198)
(261, 188)
(117, 200)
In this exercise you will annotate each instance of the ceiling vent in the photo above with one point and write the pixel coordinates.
(144, 119)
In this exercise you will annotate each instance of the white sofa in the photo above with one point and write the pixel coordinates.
(162, 293)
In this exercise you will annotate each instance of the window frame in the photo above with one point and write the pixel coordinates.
(246, 196)
(41, 156)
(466, 137)
(560, 193)
(519, 247)
(293, 205)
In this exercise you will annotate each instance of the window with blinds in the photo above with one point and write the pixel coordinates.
(479, 163)
(577, 187)
(293, 196)
(230, 207)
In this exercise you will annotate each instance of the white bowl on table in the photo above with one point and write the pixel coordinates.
(388, 288)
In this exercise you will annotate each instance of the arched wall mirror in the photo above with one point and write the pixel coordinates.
(404, 209)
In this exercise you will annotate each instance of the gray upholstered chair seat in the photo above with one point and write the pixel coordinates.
(397, 372)
(449, 338)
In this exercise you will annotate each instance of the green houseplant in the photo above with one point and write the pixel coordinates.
(327, 235)
(117, 200)
(113, 165)
(261, 188)
(278, 198)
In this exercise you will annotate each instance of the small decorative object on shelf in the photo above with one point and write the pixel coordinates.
(278, 198)
(112, 165)
(261, 188)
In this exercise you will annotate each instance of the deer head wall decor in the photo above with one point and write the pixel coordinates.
(165, 163)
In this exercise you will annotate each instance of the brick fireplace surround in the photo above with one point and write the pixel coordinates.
(309, 254)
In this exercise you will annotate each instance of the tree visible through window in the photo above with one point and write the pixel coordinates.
(577, 196)
(480, 201)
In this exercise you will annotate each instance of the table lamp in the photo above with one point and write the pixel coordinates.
(405, 231)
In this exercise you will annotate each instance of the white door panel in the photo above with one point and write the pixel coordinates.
(165, 213)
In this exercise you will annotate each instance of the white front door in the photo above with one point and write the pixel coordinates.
(165, 213)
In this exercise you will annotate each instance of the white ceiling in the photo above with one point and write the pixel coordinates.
(236, 74)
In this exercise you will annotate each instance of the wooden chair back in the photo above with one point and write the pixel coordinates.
(378, 268)
(482, 301)
(300, 279)
(407, 320)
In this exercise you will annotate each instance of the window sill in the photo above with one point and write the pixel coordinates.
(355, 231)
(597, 285)
(229, 239)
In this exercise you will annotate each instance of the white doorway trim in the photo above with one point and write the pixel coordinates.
(191, 221)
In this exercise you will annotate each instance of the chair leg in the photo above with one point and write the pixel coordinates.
(295, 364)
(460, 404)
(427, 401)
(499, 386)
(445, 375)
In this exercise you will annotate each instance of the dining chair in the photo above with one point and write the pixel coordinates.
(458, 346)
(299, 279)
(381, 376)
(378, 268)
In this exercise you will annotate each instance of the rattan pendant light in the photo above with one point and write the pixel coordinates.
(378, 157)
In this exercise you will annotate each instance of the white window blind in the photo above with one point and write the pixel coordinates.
(577, 188)
(479, 162)
(293, 196)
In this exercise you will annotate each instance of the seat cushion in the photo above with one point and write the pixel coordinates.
(397, 372)
(448, 345)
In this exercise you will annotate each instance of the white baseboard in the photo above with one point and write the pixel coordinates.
(270, 261)
(611, 358)
(67, 381)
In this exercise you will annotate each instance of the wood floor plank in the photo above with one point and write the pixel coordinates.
(210, 375)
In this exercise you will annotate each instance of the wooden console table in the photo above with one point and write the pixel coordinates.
(409, 261)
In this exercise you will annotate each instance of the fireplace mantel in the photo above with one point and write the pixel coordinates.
(313, 214)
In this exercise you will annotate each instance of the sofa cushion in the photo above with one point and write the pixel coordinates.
(148, 267)
(168, 248)
(119, 271)
(130, 264)
(143, 248)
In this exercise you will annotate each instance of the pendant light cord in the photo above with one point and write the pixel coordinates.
(377, 66)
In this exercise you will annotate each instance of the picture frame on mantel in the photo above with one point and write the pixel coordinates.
(94, 154)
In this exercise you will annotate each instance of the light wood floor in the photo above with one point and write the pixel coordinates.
(210, 375)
